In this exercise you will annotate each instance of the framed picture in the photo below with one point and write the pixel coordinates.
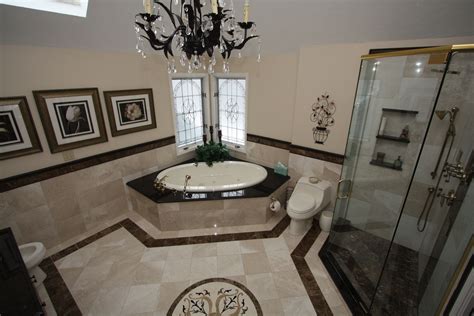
(71, 118)
(130, 111)
(17, 130)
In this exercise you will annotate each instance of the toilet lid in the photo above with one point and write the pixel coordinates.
(301, 203)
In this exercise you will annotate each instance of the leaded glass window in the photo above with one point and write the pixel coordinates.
(231, 102)
(188, 109)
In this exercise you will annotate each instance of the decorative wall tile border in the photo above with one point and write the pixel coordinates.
(59, 170)
(63, 300)
(317, 154)
(268, 141)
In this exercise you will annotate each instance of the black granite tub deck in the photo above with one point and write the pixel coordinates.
(144, 185)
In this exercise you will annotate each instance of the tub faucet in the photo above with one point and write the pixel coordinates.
(186, 179)
(159, 184)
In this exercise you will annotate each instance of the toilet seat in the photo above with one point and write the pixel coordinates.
(301, 203)
(32, 253)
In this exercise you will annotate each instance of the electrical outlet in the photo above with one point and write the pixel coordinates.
(68, 155)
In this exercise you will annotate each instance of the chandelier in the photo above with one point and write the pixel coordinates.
(195, 38)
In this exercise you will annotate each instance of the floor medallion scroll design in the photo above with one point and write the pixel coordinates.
(216, 297)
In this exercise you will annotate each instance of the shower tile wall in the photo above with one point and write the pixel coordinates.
(59, 210)
(457, 90)
(404, 88)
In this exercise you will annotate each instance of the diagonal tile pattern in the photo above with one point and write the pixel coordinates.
(125, 271)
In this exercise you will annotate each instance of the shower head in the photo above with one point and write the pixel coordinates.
(441, 114)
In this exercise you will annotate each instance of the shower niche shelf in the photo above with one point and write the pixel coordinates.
(386, 143)
(394, 138)
(385, 165)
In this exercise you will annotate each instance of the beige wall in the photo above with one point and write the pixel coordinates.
(334, 69)
(271, 95)
(38, 68)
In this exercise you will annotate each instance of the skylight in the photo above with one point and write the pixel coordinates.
(69, 7)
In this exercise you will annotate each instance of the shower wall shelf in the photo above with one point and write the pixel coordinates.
(400, 111)
(385, 165)
(394, 138)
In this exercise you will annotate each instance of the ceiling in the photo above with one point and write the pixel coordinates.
(285, 25)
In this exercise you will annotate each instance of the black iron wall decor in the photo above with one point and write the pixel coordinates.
(322, 113)
(194, 34)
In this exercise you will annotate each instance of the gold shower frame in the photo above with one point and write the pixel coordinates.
(429, 50)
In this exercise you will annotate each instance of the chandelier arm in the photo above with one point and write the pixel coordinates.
(170, 13)
(153, 45)
(241, 45)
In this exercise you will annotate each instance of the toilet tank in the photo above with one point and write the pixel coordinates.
(321, 191)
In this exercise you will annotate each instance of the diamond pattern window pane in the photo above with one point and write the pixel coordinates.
(231, 109)
(188, 106)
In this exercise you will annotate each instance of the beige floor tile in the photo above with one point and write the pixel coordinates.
(229, 265)
(280, 261)
(228, 248)
(255, 263)
(288, 284)
(142, 299)
(262, 286)
(204, 250)
(121, 273)
(177, 270)
(169, 291)
(149, 272)
(70, 275)
(91, 278)
(78, 259)
(154, 254)
(275, 244)
(109, 301)
(332, 298)
(340, 310)
(297, 306)
(251, 246)
(180, 252)
(272, 307)
(203, 268)
(84, 298)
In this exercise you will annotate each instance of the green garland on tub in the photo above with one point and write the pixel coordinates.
(212, 152)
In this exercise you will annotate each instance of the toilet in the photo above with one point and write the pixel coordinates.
(32, 254)
(309, 197)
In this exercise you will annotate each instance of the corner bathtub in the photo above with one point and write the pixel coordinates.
(222, 176)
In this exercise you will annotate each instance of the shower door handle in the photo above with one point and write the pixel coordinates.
(346, 195)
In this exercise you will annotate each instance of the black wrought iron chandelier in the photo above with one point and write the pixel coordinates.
(196, 38)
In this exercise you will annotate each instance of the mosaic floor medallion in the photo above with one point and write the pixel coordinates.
(216, 297)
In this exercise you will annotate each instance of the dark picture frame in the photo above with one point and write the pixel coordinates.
(17, 129)
(72, 118)
(130, 111)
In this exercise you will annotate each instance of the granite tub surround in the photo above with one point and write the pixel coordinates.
(122, 270)
(59, 210)
(224, 209)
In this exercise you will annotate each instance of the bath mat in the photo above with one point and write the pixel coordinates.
(216, 297)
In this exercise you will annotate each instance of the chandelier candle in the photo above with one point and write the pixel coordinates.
(185, 31)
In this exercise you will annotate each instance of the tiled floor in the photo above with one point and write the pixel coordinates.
(118, 275)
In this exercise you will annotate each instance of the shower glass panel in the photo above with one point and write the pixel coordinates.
(425, 251)
(393, 109)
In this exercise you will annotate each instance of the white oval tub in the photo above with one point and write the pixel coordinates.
(222, 176)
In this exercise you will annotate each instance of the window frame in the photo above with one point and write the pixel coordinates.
(180, 150)
(215, 106)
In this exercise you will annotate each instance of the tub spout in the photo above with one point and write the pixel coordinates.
(160, 185)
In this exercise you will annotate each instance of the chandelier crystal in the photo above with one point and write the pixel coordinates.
(195, 38)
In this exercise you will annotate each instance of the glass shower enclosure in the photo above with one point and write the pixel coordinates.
(404, 210)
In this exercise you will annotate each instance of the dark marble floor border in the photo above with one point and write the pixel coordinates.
(64, 302)
(72, 166)
(317, 154)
